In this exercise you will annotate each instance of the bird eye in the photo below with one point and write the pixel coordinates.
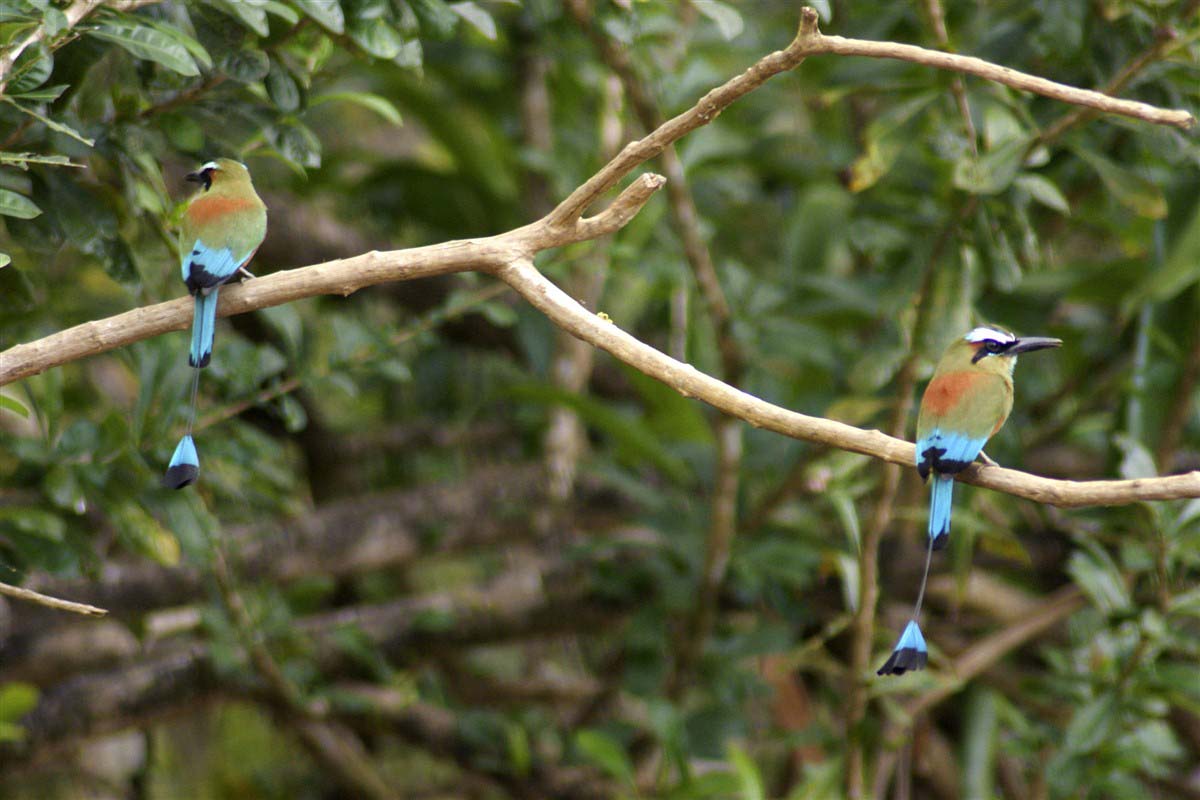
(992, 346)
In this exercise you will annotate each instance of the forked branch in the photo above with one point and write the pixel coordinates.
(509, 256)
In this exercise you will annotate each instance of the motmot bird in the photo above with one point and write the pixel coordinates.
(223, 226)
(966, 402)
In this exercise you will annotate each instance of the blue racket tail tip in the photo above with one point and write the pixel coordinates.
(185, 465)
(910, 652)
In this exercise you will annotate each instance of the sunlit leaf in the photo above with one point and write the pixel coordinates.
(380, 105)
(727, 18)
(16, 205)
(145, 42)
(327, 13)
(6, 402)
(606, 754)
(1044, 191)
(993, 172)
(478, 18)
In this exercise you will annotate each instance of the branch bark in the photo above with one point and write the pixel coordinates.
(30, 596)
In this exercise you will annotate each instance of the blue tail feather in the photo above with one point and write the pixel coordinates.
(910, 652)
(204, 324)
(941, 495)
(184, 466)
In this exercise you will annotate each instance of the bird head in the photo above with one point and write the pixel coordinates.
(223, 171)
(994, 350)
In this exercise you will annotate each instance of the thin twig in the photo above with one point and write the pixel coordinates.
(1180, 409)
(937, 21)
(30, 596)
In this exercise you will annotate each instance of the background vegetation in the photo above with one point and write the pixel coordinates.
(436, 552)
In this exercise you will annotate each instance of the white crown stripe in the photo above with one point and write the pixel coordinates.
(209, 165)
(984, 334)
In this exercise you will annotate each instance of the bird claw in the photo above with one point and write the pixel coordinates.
(987, 460)
(245, 274)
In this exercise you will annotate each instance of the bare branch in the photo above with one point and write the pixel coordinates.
(30, 596)
(970, 65)
(509, 255)
(690, 382)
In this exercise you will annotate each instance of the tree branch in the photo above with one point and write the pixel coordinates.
(969, 65)
(690, 382)
(509, 256)
(30, 596)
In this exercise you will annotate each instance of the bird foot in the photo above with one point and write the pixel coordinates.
(987, 460)
(245, 274)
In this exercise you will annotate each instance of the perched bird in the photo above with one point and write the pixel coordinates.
(223, 226)
(965, 404)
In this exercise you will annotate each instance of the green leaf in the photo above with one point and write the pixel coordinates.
(145, 42)
(54, 22)
(1043, 191)
(143, 534)
(1180, 269)
(6, 402)
(979, 737)
(376, 37)
(32, 69)
(1091, 725)
(994, 171)
(885, 138)
(1136, 459)
(437, 19)
(606, 754)
(21, 160)
(251, 13)
(46, 94)
(246, 66)
(53, 125)
(327, 13)
(285, 13)
(282, 88)
(1096, 574)
(298, 144)
(1138, 194)
(750, 783)
(16, 700)
(380, 105)
(727, 18)
(16, 205)
(478, 18)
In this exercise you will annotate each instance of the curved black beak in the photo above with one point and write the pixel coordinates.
(195, 177)
(1030, 343)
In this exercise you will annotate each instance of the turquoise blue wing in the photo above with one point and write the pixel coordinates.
(207, 267)
(947, 452)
